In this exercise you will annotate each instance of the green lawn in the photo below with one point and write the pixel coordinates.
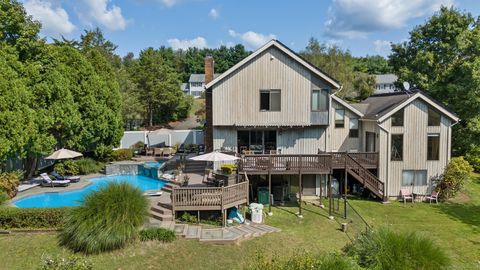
(455, 226)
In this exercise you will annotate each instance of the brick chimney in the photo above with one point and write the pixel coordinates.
(209, 70)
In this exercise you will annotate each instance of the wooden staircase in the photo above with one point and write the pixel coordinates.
(364, 176)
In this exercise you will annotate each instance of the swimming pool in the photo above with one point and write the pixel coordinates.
(75, 197)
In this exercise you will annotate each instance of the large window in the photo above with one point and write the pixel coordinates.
(397, 147)
(339, 118)
(397, 118)
(414, 178)
(433, 146)
(259, 141)
(353, 133)
(433, 117)
(270, 100)
(319, 100)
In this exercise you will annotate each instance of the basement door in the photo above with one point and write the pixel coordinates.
(309, 185)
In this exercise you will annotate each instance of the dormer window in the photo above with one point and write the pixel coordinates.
(397, 118)
(270, 100)
(319, 100)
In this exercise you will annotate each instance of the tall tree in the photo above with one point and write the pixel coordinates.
(159, 86)
(442, 57)
(338, 64)
(372, 64)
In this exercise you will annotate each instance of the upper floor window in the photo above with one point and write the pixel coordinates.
(339, 118)
(397, 118)
(397, 147)
(319, 100)
(433, 117)
(196, 84)
(270, 100)
(353, 133)
(433, 146)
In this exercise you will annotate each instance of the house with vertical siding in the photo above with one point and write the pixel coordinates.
(296, 137)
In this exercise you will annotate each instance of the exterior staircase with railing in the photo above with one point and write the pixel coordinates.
(364, 176)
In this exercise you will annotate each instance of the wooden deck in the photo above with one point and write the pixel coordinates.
(209, 198)
(307, 164)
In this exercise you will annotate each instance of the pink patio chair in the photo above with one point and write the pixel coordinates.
(433, 197)
(406, 195)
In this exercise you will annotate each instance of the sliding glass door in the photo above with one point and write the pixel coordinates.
(259, 141)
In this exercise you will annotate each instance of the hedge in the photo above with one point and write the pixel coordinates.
(122, 154)
(159, 234)
(31, 218)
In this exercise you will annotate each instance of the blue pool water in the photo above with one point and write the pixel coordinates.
(75, 197)
(153, 164)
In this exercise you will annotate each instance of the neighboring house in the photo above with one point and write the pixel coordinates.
(280, 112)
(385, 83)
(195, 86)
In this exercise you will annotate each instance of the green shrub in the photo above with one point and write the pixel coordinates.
(304, 261)
(31, 218)
(454, 177)
(9, 182)
(188, 218)
(228, 168)
(59, 168)
(138, 145)
(88, 166)
(103, 152)
(3, 197)
(67, 167)
(159, 234)
(109, 219)
(70, 263)
(122, 154)
(385, 249)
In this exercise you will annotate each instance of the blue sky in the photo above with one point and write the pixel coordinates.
(361, 26)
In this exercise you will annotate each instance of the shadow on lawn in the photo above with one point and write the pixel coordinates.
(465, 213)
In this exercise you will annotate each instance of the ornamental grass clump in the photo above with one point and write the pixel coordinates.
(108, 219)
(385, 249)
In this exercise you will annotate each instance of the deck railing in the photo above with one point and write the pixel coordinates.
(324, 162)
(209, 198)
(286, 162)
(369, 179)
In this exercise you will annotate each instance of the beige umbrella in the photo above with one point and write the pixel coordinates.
(63, 154)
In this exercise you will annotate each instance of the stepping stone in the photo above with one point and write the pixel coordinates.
(193, 232)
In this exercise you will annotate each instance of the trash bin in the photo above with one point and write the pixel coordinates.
(263, 196)
(256, 210)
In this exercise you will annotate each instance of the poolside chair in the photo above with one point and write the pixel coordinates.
(72, 178)
(209, 178)
(158, 151)
(47, 182)
(406, 195)
(168, 151)
(433, 197)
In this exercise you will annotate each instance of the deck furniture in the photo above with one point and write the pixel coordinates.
(48, 182)
(433, 197)
(168, 151)
(406, 195)
(158, 151)
(209, 178)
(149, 152)
(72, 178)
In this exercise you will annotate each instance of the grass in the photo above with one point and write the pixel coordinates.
(454, 226)
(198, 103)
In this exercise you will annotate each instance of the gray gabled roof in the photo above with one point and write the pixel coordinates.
(386, 78)
(200, 77)
(379, 107)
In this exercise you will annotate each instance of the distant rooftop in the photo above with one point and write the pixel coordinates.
(200, 77)
(386, 78)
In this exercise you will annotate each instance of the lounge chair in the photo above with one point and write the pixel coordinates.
(406, 195)
(433, 197)
(158, 151)
(152, 193)
(47, 182)
(72, 178)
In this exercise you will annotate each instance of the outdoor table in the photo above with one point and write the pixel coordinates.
(417, 196)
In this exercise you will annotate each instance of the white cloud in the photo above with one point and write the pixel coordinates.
(99, 12)
(358, 18)
(55, 21)
(198, 42)
(214, 13)
(169, 3)
(252, 39)
(381, 46)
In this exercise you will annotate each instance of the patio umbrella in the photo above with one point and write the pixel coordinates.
(215, 156)
(63, 154)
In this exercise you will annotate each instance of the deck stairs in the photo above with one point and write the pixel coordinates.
(161, 215)
(364, 176)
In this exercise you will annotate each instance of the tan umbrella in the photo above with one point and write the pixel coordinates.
(63, 154)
